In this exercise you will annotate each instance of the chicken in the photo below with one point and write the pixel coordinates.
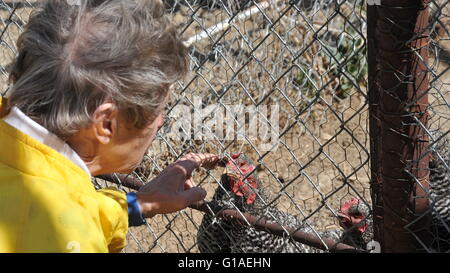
(440, 193)
(241, 190)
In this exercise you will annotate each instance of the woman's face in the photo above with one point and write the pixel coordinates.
(111, 145)
(132, 144)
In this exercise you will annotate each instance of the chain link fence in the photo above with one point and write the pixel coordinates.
(286, 84)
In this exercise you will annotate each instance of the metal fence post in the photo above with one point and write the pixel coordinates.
(374, 124)
(398, 85)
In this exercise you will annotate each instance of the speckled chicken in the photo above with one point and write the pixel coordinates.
(440, 193)
(240, 189)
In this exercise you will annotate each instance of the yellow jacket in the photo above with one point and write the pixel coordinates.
(48, 204)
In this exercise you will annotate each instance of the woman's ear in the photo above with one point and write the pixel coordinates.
(105, 122)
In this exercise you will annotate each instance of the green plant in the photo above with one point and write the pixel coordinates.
(304, 79)
(348, 61)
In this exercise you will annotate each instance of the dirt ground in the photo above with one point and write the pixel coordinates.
(323, 155)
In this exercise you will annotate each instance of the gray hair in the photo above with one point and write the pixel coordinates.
(76, 55)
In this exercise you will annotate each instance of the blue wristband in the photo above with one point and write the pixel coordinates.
(134, 213)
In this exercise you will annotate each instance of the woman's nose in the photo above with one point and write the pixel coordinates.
(161, 121)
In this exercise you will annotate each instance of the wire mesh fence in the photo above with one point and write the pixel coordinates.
(285, 84)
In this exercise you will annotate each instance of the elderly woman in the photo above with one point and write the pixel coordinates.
(88, 91)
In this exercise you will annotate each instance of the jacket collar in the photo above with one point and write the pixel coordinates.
(26, 125)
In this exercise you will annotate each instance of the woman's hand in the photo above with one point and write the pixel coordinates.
(173, 189)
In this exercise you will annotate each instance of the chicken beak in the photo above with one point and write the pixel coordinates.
(344, 219)
(342, 215)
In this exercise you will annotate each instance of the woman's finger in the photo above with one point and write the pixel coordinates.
(190, 162)
(210, 161)
(189, 183)
(193, 195)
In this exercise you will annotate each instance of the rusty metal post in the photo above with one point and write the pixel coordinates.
(375, 183)
(398, 39)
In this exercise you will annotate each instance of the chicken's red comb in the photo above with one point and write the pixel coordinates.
(347, 205)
